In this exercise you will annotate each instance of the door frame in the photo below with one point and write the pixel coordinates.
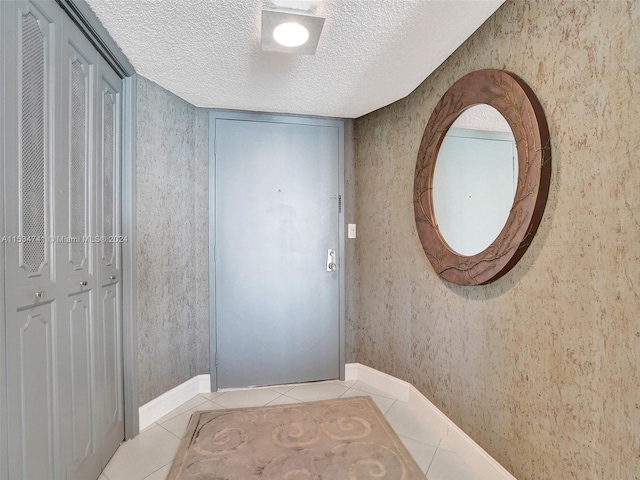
(272, 118)
(86, 20)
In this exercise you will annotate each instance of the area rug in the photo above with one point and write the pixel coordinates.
(345, 438)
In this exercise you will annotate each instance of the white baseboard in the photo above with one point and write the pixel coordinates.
(469, 451)
(160, 406)
(391, 385)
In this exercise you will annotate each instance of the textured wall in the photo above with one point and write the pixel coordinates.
(349, 262)
(542, 367)
(172, 250)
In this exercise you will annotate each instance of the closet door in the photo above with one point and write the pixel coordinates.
(32, 294)
(109, 287)
(61, 115)
(75, 186)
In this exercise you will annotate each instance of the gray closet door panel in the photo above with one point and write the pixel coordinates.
(30, 136)
(111, 333)
(30, 110)
(78, 77)
(81, 441)
(109, 289)
(109, 164)
(75, 187)
(33, 423)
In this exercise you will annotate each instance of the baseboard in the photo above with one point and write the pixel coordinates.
(160, 406)
(391, 385)
(468, 450)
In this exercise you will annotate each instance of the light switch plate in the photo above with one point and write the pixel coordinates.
(351, 233)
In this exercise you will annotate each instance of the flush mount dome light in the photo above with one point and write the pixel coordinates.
(290, 32)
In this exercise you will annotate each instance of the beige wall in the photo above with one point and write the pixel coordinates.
(541, 367)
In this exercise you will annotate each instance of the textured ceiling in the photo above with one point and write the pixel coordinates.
(371, 52)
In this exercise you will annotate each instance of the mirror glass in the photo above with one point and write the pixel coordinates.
(475, 180)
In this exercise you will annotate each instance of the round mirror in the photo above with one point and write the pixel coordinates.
(478, 204)
(475, 180)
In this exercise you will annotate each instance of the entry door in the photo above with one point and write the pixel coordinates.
(277, 214)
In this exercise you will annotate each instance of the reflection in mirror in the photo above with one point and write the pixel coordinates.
(475, 180)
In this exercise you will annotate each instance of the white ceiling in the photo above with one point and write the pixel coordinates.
(371, 52)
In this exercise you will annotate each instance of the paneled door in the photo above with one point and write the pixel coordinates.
(108, 345)
(277, 249)
(62, 108)
(32, 292)
(74, 201)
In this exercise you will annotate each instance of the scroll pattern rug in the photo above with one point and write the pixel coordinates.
(337, 439)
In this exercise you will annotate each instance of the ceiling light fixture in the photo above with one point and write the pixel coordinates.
(290, 32)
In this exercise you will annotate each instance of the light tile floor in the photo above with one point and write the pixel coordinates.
(149, 455)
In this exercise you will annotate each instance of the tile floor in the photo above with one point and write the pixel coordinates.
(149, 455)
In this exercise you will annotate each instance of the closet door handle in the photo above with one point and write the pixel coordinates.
(84, 283)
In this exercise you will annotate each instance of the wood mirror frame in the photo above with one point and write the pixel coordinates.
(513, 98)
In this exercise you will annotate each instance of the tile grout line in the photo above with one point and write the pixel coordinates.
(216, 403)
(433, 458)
(270, 403)
(390, 407)
(156, 471)
(167, 430)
